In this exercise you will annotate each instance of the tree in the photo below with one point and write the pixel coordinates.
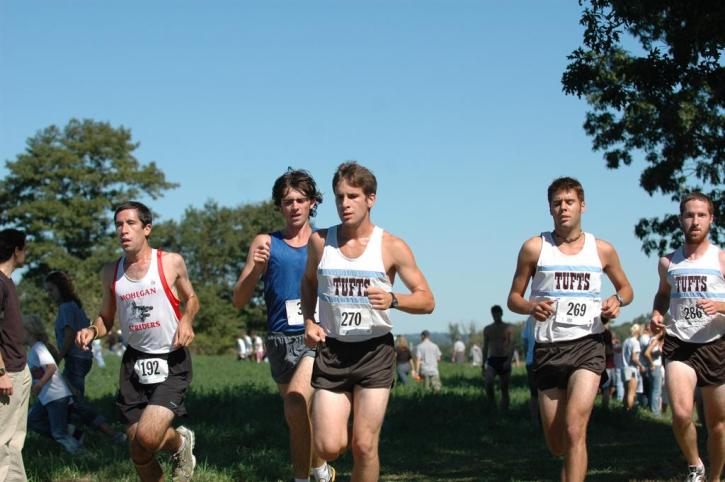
(61, 191)
(666, 102)
(214, 241)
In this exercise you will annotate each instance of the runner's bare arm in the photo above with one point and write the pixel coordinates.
(613, 268)
(525, 270)
(255, 267)
(484, 350)
(103, 324)
(308, 288)
(662, 298)
(420, 299)
(184, 331)
(709, 306)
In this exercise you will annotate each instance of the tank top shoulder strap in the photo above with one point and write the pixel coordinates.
(117, 274)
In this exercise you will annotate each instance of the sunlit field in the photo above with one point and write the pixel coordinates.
(451, 436)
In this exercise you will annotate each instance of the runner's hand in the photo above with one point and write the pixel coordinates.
(542, 310)
(657, 323)
(6, 386)
(610, 307)
(84, 338)
(184, 335)
(35, 389)
(314, 334)
(709, 306)
(379, 298)
(261, 256)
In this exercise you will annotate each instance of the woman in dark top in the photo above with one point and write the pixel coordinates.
(71, 318)
(403, 359)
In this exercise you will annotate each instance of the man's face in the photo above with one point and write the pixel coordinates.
(695, 221)
(566, 209)
(295, 208)
(352, 203)
(20, 254)
(131, 232)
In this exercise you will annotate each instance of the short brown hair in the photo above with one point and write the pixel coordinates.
(565, 184)
(696, 196)
(357, 176)
(144, 213)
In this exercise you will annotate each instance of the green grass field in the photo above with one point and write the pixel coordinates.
(452, 436)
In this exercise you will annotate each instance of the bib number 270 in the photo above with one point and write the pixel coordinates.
(351, 319)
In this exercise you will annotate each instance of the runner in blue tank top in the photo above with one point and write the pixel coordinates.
(279, 259)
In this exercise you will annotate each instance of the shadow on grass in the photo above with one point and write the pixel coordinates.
(451, 436)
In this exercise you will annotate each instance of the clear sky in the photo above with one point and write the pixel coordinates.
(456, 106)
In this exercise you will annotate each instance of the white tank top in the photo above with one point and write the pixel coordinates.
(147, 308)
(344, 311)
(690, 281)
(574, 282)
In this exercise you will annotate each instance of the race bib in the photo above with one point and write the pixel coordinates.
(577, 311)
(151, 370)
(294, 312)
(692, 314)
(355, 321)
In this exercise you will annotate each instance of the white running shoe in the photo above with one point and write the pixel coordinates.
(696, 473)
(183, 461)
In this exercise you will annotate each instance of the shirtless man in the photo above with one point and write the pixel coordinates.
(692, 288)
(144, 289)
(352, 267)
(565, 268)
(498, 348)
(280, 258)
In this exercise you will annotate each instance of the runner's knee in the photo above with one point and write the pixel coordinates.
(148, 440)
(364, 448)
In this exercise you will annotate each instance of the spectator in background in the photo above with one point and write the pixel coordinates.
(258, 347)
(632, 365)
(97, 350)
(618, 367)
(56, 402)
(498, 347)
(14, 373)
(71, 319)
(653, 355)
(241, 347)
(459, 351)
(476, 355)
(607, 382)
(528, 340)
(403, 358)
(427, 356)
(646, 374)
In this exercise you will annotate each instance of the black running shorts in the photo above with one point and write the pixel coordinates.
(707, 359)
(284, 353)
(133, 396)
(340, 365)
(555, 362)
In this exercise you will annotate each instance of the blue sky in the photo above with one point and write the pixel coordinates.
(456, 106)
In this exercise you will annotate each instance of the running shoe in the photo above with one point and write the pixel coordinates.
(330, 474)
(696, 473)
(183, 461)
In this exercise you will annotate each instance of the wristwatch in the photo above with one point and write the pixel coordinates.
(2, 372)
(620, 299)
(394, 301)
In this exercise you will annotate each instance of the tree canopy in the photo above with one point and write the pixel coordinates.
(62, 189)
(662, 98)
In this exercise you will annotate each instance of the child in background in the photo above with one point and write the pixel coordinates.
(56, 401)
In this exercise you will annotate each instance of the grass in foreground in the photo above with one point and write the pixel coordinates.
(452, 436)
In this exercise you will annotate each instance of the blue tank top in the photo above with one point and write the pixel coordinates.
(282, 280)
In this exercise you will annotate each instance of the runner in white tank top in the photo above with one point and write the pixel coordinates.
(565, 269)
(692, 288)
(353, 266)
(342, 283)
(143, 289)
(147, 309)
